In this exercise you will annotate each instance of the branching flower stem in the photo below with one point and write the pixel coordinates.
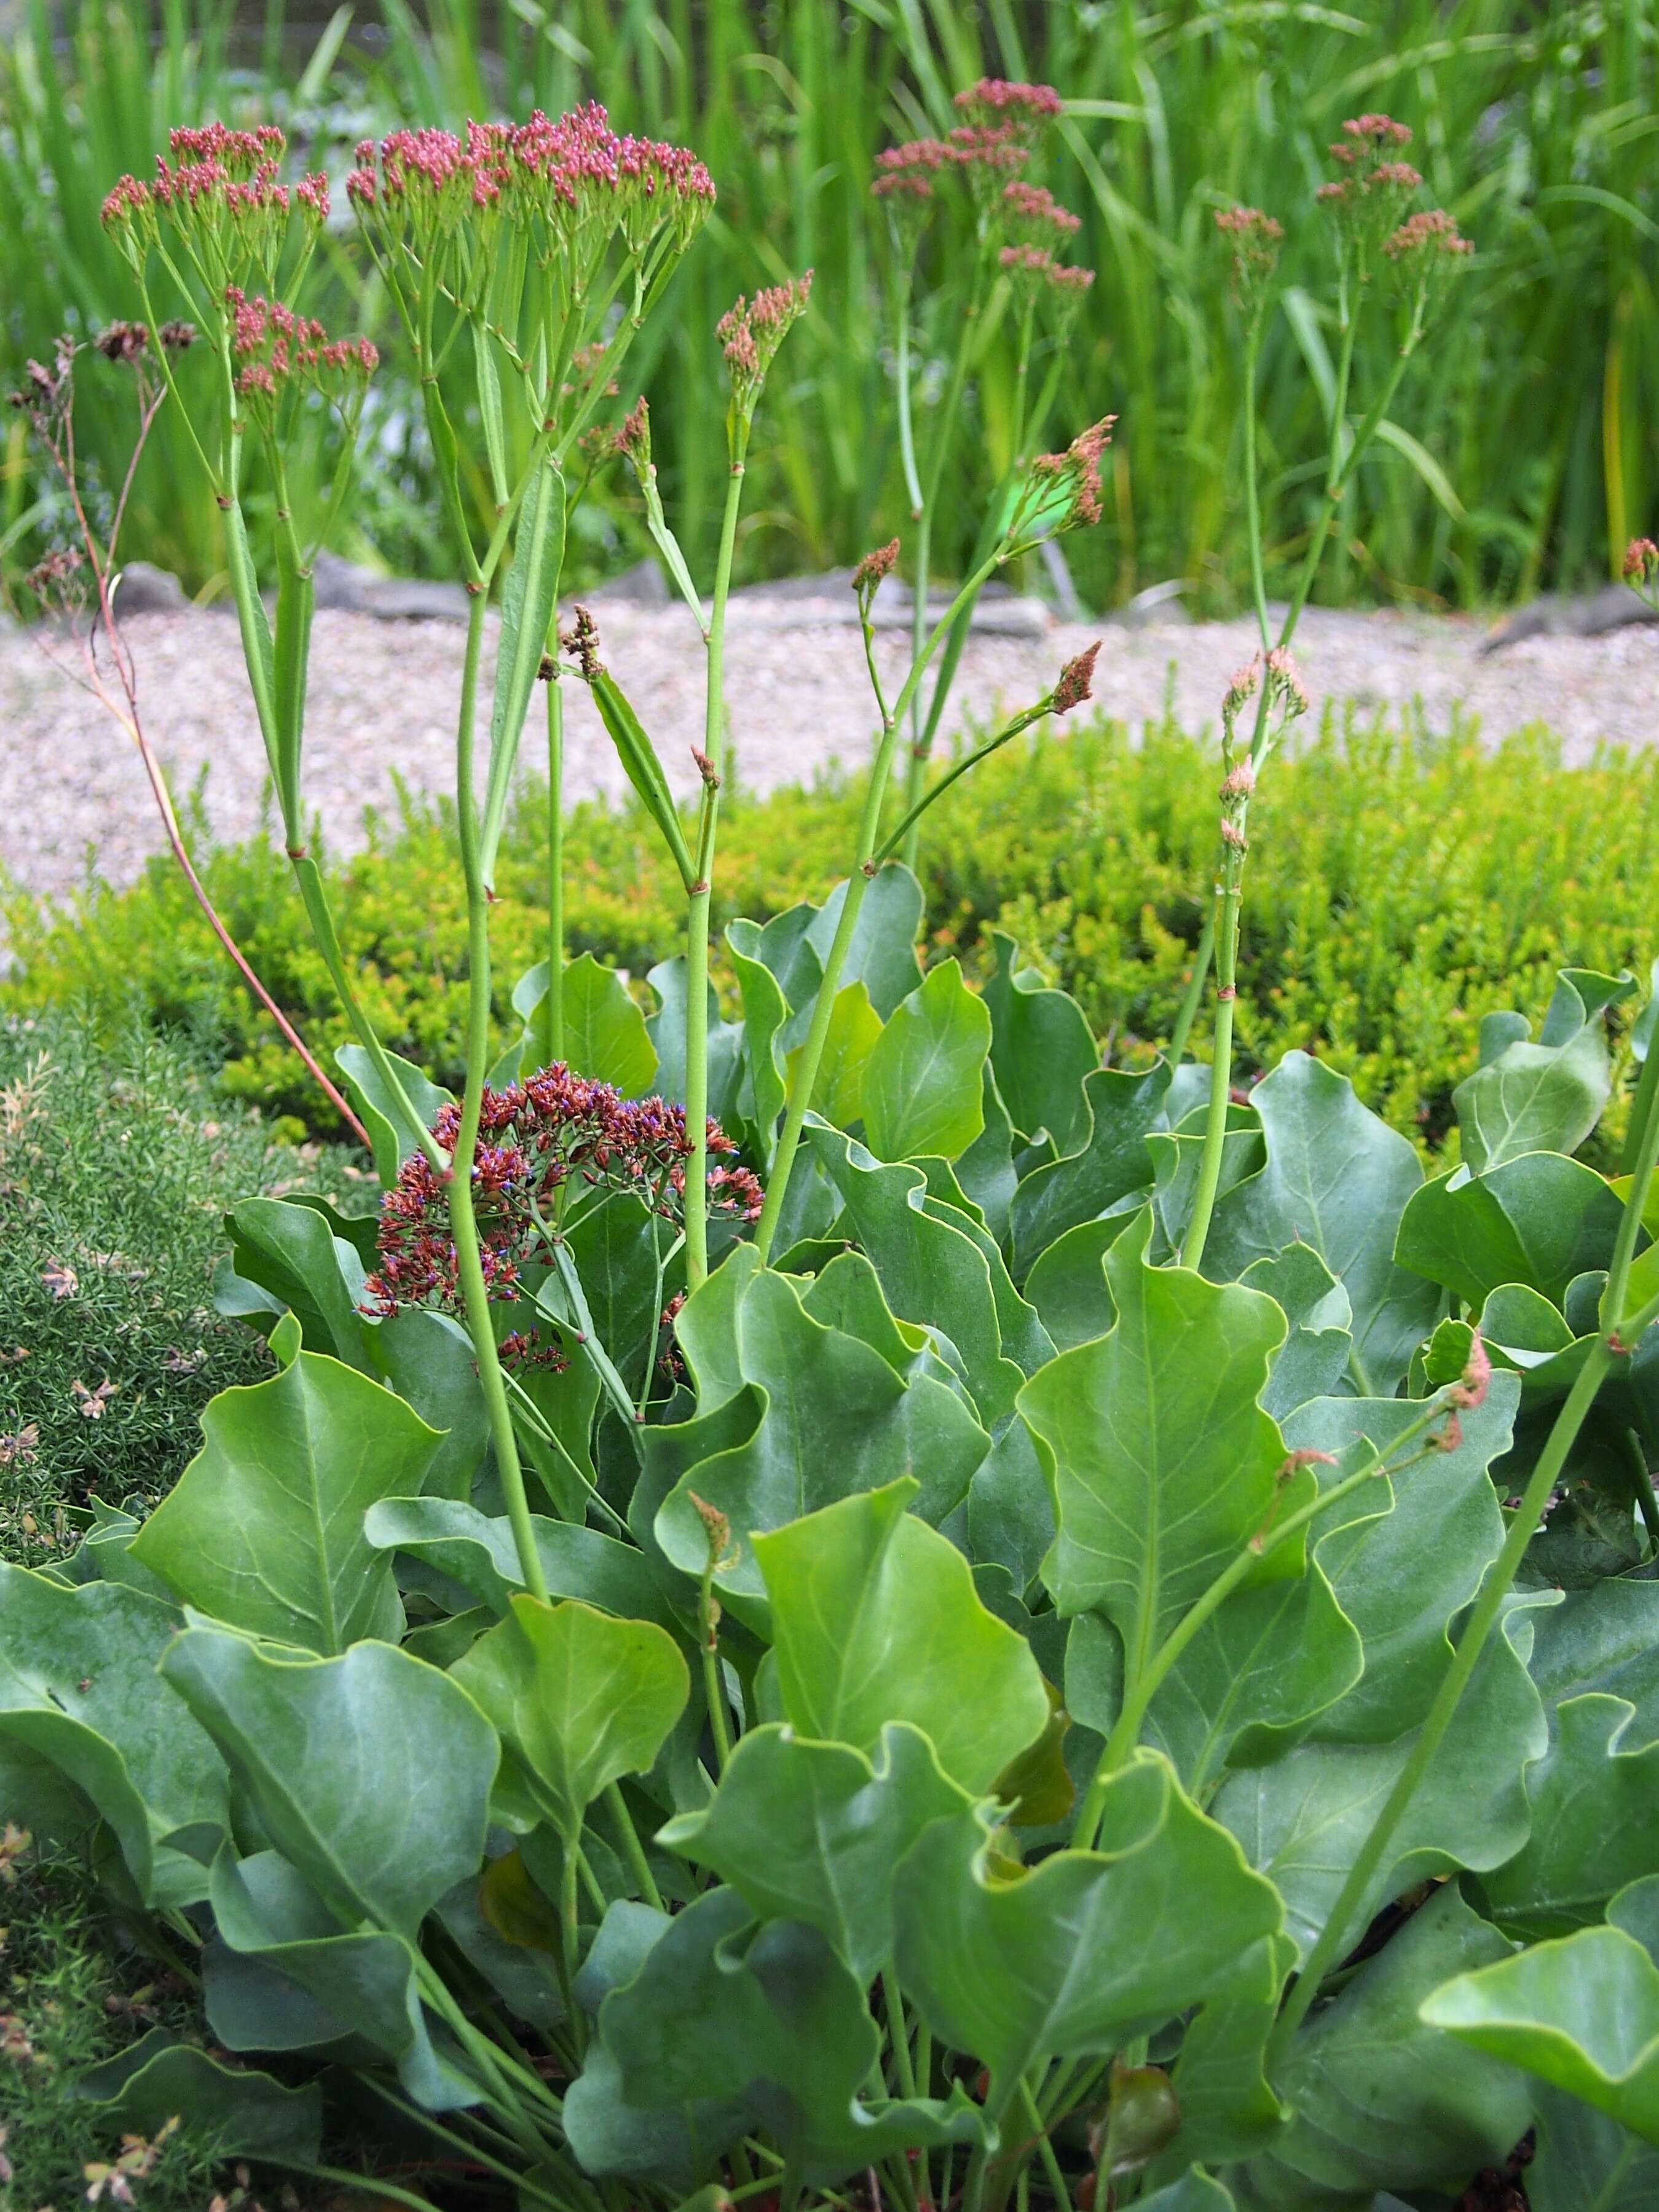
(806, 1072)
(1343, 456)
(696, 940)
(1619, 1332)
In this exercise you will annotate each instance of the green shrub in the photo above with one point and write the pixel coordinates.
(1401, 886)
(68, 2002)
(116, 1162)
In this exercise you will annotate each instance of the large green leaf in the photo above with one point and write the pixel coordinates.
(765, 1011)
(1540, 1220)
(1229, 2110)
(834, 1418)
(812, 1831)
(1338, 1178)
(282, 1975)
(853, 1032)
(882, 954)
(1255, 1677)
(876, 1619)
(934, 1270)
(1547, 1096)
(1383, 2102)
(480, 1554)
(1303, 1819)
(1313, 1360)
(236, 2112)
(604, 1032)
(1041, 1049)
(291, 1251)
(265, 1527)
(393, 1139)
(78, 1688)
(428, 1361)
(1112, 1160)
(578, 1697)
(1064, 1959)
(1582, 2013)
(1166, 1465)
(371, 1772)
(1594, 1800)
(923, 1080)
(1068, 1285)
(666, 1030)
(764, 2025)
(1607, 1638)
(1405, 1554)
(1586, 2162)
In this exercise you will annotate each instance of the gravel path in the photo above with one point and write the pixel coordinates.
(382, 702)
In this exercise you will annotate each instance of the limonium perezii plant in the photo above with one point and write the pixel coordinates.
(839, 1601)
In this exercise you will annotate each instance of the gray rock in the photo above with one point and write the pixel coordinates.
(344, 587)
(644, 585)
(144, 589)
(1615, 606)
(792, 602)
(1158, 603)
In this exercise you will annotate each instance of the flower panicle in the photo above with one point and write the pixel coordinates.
(752, 331)
(1640, 570)
(1255, 239)
(554, 1128)
(868, 575)
(1063, 491)
(1075, 680)
(279, 349)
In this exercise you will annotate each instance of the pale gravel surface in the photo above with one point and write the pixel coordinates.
(383, 696)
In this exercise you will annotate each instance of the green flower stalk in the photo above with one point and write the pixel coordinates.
(1416, 258)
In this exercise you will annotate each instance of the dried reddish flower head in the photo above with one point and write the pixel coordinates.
(1470, 1387)
(1062, 490)
(125, 342)
(534, 1138)
(633, 436)
(1073, 688)
(871, 570)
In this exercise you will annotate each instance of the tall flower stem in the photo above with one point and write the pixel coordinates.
(1619, 1332)
(552, 1038)
(944, 439)
(1340, 466)
(469, 1261)
(805, 1072)
(697, 941)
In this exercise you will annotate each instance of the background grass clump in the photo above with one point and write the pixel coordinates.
(1530, 460)
(1400, 886)
(118, 1154)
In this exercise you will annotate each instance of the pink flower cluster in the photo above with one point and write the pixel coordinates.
(570, 172)
(1255, 239)
(1430, 232)
(220, 191)
(533, 1138)
(275, 346)
(752, 331)
(997, 99)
